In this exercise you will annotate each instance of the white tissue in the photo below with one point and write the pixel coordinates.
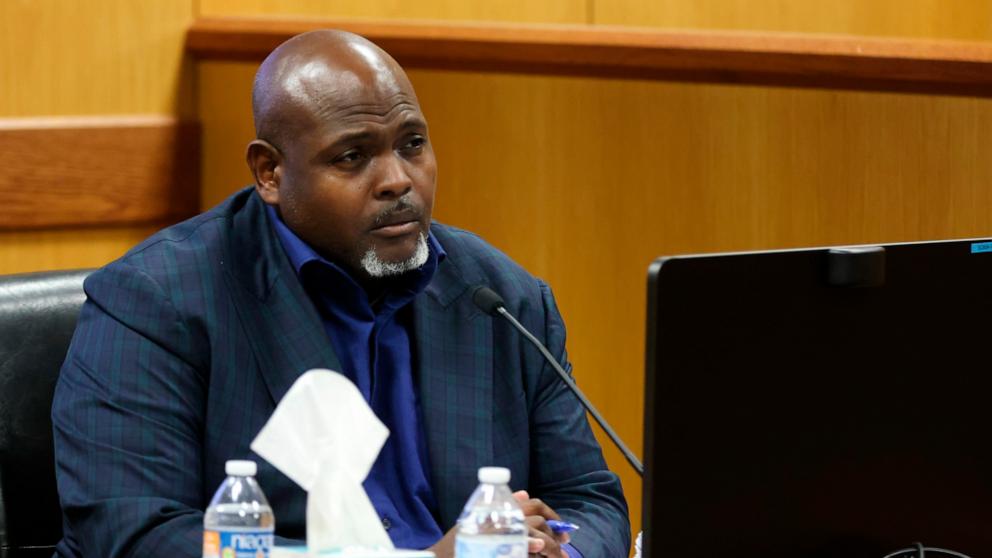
(325, 437)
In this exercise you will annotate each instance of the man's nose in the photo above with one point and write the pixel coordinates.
(393, 179)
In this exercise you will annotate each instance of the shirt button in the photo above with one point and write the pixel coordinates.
(386, 524)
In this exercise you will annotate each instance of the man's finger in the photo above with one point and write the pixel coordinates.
(534, 506)
(537, 523)
(549, 546)
(540, 524)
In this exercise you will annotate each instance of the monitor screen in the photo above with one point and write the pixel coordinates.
(820, 403)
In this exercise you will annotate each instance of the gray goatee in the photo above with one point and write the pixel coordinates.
(376, 267)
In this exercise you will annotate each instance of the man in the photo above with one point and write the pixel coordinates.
(187, 343)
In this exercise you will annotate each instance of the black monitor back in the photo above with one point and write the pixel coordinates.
(803, 403)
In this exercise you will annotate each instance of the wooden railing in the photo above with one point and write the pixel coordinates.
(103, 170)
(798, 60)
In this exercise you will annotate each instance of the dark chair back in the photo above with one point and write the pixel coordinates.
(38, 314)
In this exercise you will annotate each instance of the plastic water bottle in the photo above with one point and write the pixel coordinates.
(239, 521)
(492, 523)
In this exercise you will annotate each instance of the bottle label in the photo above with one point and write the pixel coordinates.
(490, 547)
(245, 543)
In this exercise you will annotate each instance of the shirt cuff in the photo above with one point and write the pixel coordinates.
(571, 551)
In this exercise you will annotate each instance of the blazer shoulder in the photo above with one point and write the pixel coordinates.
(481, 263)
(178, 262)
(193, 245)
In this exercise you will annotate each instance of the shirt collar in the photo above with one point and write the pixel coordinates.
(302, 256)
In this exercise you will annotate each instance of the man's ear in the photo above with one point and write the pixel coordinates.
(265, 162)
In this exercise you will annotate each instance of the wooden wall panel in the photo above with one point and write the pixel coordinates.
(559, 11)
(225, 111)
(24, 251)
(951, 19)
(66, 57)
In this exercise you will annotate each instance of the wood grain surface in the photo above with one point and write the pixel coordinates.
(65, 57)
(823, 61)
(23, 251)
(546, 11)
(97, 171)
(949, 19)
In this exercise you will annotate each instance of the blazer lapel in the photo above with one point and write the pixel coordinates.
(283, 327)
(454, 348)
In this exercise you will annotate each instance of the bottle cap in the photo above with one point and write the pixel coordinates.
(239, 468)
(494, 475)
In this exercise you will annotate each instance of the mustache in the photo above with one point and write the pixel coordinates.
(402, 208)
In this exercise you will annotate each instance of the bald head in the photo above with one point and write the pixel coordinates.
(305, 78)
(342, 152)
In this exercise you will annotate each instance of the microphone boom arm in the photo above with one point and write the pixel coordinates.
(629, 455)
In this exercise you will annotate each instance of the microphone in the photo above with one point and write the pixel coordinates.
(491, 303)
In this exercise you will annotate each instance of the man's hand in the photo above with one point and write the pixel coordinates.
(541, 540)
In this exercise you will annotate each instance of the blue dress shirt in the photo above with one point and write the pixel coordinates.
(372, 342)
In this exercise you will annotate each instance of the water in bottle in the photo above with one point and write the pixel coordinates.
(492, 523)
(239, 521)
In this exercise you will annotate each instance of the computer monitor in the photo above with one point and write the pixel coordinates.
(820, 402)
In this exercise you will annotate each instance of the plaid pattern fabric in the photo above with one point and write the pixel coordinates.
(185, 345)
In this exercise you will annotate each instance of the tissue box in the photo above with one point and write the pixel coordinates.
(299, 551)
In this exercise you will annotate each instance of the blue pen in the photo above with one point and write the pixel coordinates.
(559, 527)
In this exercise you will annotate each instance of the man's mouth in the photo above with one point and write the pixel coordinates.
(397, 229)
(400, 220)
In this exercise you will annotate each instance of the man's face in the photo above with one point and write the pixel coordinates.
(360, 174)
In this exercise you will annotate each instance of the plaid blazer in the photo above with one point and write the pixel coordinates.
(186, 344)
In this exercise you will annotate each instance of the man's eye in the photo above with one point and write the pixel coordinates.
(349, 158)
(415, 144)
